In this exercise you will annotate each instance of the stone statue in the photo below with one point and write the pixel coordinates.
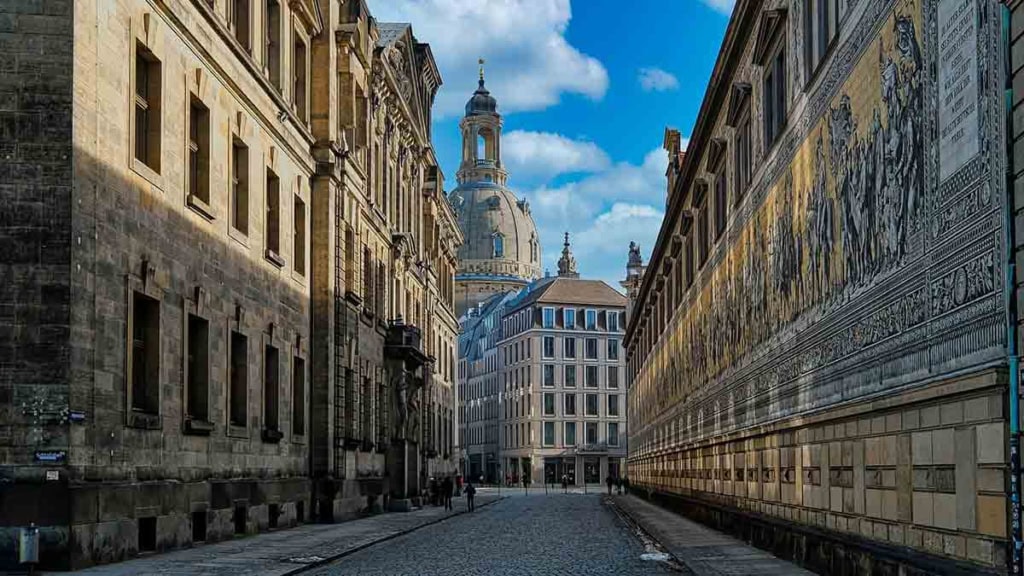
(401, 387)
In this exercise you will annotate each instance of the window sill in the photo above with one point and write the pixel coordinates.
(274, 258)
(200, 207)
(237, 431)
(238, 236)
(196, 427)
(149, 174)
(143, 420)
(271, 435)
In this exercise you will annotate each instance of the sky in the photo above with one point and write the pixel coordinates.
(586, 89)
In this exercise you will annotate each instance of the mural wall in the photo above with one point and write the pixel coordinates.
(855, 270)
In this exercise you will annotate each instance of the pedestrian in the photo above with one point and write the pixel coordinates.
(565, 483)
(618, 485)
(625, 484)
(447, 486)
(608, 480)
(434, 491)
(470, 492)
(458, 485)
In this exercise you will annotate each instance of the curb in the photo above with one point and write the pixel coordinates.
(646, 537)
(340, 555)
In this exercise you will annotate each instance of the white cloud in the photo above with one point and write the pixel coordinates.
(657, 80)
(721, 6)
(530, 64)
(546, 155)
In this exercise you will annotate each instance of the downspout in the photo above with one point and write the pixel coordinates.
(1010, 301)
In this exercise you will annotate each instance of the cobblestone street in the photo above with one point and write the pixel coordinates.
(541, 535)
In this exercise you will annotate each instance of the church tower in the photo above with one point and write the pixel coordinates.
(501, 250)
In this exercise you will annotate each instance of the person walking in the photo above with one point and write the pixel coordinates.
(470, 493)
(618, 485)
(565, 483)
(625, 484)
(608, 480)
(447, 487)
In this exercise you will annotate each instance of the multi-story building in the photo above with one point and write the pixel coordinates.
(818, 358)
(501, 252)
(562, 408)
(480, 387)
(229, 296)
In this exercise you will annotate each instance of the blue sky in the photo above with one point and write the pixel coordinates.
(586, 89)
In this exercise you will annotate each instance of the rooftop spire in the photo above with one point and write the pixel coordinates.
(567, 263)
(481, 62)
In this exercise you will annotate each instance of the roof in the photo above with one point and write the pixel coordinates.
(390, 31)
(559, 290)
(474, 327)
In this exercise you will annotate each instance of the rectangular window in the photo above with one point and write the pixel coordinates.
(721, 200)
(549, 404)
(198, 368)
(570, 434)
(613, 433)
(613, 376)
(549, 375)
(271, 387)
(591, 428)
(821, 27)
(239, 22)
(688, 259)
(774, 94)
(147, 107)
(591, 319)
(199, 151)
(549, 433)
(569, 318)
(145, 350)
(299, 240)
(274, 42)
(549, 347)
(239, 379)
(569, 404)
(590, 409)
(743, 152)
(703, 232)
(591, 350)
(299, 80)
(298, 396)
(273, 215)
(590, 380)
(240, 187)
(549, 318)
(569, 345)
(613, 404)
(613, 349)
(613, 321)
(570, 376)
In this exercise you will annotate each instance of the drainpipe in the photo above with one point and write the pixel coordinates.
(1011, 308)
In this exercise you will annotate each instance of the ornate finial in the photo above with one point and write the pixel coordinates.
(481, 63)
(566, 240)
(567, 263)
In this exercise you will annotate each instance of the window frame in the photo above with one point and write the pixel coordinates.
(566, 435)
(544, 404)
(544, 348)
(549, 425)
(547, 317)
(565, 376)
(587, 371)
(566, 347)
(586, 349)
(544, 375)
(597, 405)
(566, 402)
(612, 439)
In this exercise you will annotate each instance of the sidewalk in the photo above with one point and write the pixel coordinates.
(287, 551)
(700, 549)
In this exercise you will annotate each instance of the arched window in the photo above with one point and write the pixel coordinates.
(499, 245)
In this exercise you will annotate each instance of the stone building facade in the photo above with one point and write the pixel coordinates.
(562, 407)
(501, 252)
(204, 242)
(818, 354)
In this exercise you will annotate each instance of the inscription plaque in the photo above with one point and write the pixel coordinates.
(958, 84)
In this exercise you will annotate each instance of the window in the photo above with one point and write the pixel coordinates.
(299, 223)
(613, 404)
(549, 433)
(613, 376)
(549, 317)
(721, 200)
(273, 217)
(199, 151)
(498, 248)
(613, 433)
(613, 349)
(569, 404)
(298, 396)
(569, 345)
(569, 318)
(820, 29)
(549, 375)
(591, 349)
(774, 94)
(688, 260)
(271, 387)
(591, 405)
(570, 376)
(570, 434)
(240, 187)
(147, 108)
(299, 79)
(274, 42)
(549, 346)
(591, 428)
(549, 404)
(239, 378)
(743, 152)
(590, 380)
(613, 321)
(703, 232)
(591, 319)
(238, 21)
(198, 368)
(145, 354)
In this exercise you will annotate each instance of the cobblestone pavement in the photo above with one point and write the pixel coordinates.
(540, 535)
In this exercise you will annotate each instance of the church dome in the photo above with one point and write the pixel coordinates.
(481, 102)
(500, 237)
